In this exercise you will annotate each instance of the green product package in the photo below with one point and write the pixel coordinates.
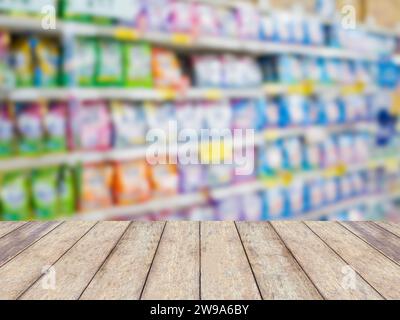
(66, 192)
(29, 128)
(44, 193)
(55, 127)
(84, 61)
(109, 69)
(84, 11)
(7, 134)
(46, 55)
(137, 65)
(15, 197)
(21, 52)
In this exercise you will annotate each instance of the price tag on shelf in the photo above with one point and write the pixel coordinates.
(182, 39)
(270, 183)
(274, 89)
(271, 134)
(336, 171)
(305, 88)
(167, 94)
(126, 34)
(286, 178)
(354, 89)
(392, 165)
(213, 94)
(216, 152)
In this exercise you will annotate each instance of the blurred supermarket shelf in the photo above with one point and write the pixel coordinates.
(183, 41)
(203, 198)
(132, 94)
(329, 211)
(140, 152)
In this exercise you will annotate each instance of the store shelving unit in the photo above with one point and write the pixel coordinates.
(181, 41)
(187, 42)
(203, 198)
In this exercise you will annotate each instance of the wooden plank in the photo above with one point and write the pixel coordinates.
(380, 272)
(17, 241)
(391, 227)
(174, 274)
(73, 272)
(225, 270)
(278, 274)
(7, 227)
(379, 238)
(21, 272)
(323, 266)
(123, 275)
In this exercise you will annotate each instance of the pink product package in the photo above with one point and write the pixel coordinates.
(180, 17)
(205, 20)
(93, 129)
(155, 17)
(248, 21)
(252, 206)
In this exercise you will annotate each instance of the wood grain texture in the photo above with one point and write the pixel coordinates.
(323, 266)
(382, 240)
(278, 274)
(225, 270)
(380, 272)
(123, 275)
(77, 267)
(21, 272)
(174, 273)
(7, 227)
(15, 242)
(391, 227)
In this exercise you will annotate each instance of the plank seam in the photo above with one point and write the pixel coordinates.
(109, 255)
(248, 261)
(370, 244)
(383, 228)
(31, 244)
(297, 261)
(344, 260)
(152, 261)
(55, 262)
(12, 230)
(200, 261)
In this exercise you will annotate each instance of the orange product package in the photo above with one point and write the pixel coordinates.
(96, 187)
(164, 179)
(167, 70)
(131, 182)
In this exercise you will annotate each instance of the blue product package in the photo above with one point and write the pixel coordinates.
(271, 159)
(284, 28)
(248, 114)
(312, 70)
(293, 154)
(297, 110)
(273, 114)
(312, 158)
(388, 74)
(267, 29)
(290, 69)
(314, 32)
(298, 26)
(296, 199)
(333, 111)
(316, 198)
(275, 204)
(331, 191)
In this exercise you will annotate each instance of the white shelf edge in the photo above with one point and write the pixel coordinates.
(140, 152)
(184, 201)
(136, 94)
(203, 42)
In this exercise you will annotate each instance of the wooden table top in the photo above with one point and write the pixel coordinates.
(193, 260)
